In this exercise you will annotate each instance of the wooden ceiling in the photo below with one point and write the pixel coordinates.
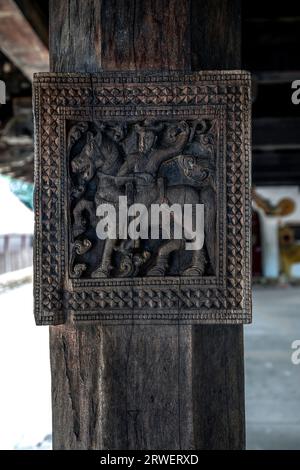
(271, 45)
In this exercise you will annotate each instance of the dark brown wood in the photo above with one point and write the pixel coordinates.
(144, 387)
(218, 387)
(218, 352)
(121, 35)
(146, 157)
(215, 34)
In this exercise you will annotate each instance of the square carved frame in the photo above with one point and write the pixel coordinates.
(223, 298)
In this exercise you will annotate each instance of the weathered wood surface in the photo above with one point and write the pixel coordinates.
(144, 161)
(146, 387)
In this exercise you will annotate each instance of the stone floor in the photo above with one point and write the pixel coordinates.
(272, 381)
(25, 413)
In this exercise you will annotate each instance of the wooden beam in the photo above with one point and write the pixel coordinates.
(19, 42)
(276, 168)
(217, 352)
(133, 386)
(37, 13)
(271, 77)
(270, 134)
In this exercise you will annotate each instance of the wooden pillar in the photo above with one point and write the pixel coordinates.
(146, 387)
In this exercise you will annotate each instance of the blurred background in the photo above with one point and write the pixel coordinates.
(271, 45)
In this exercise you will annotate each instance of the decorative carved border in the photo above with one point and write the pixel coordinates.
(224, 299)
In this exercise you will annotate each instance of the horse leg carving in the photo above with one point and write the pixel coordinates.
(105, 267)
(162, 260)
(197, 266)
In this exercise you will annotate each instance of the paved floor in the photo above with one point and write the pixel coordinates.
(272, 381)
(25, 413)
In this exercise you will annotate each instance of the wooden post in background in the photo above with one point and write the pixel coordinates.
(146, 387)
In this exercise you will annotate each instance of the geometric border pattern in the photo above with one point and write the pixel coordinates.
(225, 298)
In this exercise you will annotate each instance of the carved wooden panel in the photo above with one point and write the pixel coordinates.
(155, 138)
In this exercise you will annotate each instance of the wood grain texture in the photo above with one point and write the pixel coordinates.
(144, 387)
(120, 35)
(215, 34)
(145, 34)
(218, 387)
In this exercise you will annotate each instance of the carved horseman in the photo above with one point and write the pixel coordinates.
(135, 162)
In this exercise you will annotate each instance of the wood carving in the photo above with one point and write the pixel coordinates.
(149, 162)
(285, 206)
(149, 139)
